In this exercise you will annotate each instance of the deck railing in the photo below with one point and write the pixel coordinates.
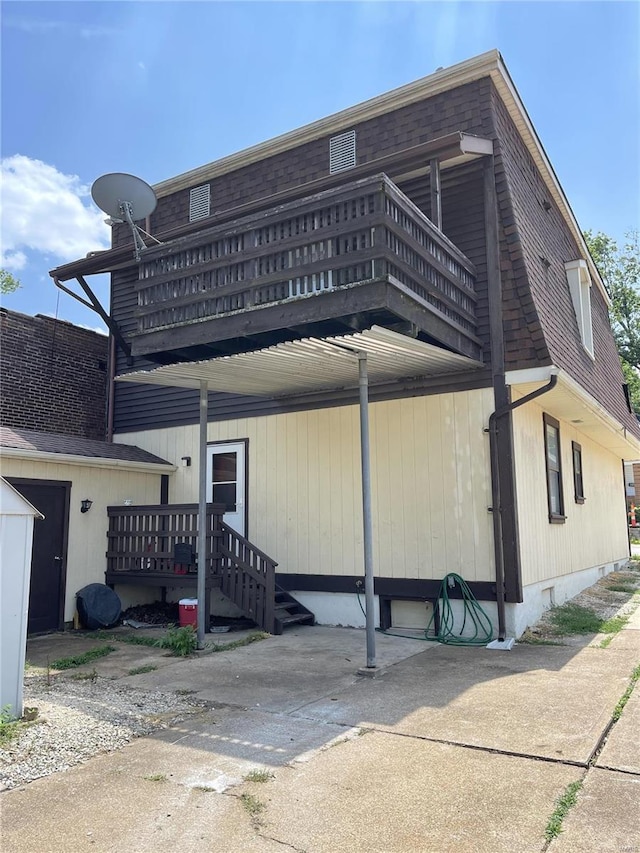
(143, 539)
(248, 577)
(367, 230)
(157, 545)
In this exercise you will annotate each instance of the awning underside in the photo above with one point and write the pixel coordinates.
(311, 364)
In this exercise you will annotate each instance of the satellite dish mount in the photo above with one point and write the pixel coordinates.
(126, 198)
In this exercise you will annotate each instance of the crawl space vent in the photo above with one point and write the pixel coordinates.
(199, 202)
(342, 152)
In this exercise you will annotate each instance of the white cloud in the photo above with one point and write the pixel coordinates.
(44, 210)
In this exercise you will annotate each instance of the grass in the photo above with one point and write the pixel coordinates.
(140, 670)
(621, 587)
(10, 726)
(258, 776)
(80, 660)
(613, 625)
(617, 711)
(141, 640)
(563, 805)
(132, 639)
(156, 777)
(181, 642)
(236, 644)
(572, 618)
(253, 806)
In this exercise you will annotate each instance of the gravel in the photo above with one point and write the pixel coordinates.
(79, 719)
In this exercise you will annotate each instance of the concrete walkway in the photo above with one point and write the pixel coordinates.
(450, 749)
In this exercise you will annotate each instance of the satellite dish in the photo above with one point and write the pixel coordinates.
(125, 198)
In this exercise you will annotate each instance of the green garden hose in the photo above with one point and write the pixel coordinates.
(447, 632)
(472, 610)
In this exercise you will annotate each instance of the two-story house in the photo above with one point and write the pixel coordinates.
(418, 246)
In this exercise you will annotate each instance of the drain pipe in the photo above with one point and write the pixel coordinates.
(495, 492)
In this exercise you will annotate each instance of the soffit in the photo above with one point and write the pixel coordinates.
(569, 402)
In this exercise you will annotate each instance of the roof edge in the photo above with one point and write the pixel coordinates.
(607, 419)
(510, 96)
(90, 461)
(440, 81)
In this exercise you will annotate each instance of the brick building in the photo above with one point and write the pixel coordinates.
(53, 376)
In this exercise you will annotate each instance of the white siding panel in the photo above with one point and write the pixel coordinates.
(595, 532)
(430, 483)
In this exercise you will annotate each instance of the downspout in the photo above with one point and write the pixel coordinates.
(498, 372)
(495, 493)
(111, 372)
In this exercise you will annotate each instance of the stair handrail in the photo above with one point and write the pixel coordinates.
(262, 605)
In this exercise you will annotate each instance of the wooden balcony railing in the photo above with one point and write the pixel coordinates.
(365, 231)
(157, 546)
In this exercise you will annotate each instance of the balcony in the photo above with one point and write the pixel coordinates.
(340, 260)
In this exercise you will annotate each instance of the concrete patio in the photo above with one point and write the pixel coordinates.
(450, 749)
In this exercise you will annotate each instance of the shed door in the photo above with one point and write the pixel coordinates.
(226, 481)
(49, 558)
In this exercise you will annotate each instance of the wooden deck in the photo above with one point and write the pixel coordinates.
(261, 275)
(156, 545)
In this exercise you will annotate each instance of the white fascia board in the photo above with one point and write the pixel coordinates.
(475, 144)
(543, 374)
(530, 374)
(597, 408)
(87, 461)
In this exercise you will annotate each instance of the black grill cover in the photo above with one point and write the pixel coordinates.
(98, 606)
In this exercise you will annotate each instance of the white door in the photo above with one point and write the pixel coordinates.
(226, 481)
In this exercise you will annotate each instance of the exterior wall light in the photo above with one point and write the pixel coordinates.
(85, 506)
(186, 461)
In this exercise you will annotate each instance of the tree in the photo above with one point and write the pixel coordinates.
(7, 282)
(620, 271)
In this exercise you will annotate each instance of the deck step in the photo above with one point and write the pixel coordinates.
(289, 611)
(303, 618)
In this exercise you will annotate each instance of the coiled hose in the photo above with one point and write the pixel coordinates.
(473, 612)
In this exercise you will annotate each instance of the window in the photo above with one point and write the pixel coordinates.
(578, 484)
(554, 469)
(199, 202)
(580, 288)
(342, 152)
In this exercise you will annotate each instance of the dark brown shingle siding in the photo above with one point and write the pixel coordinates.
(540, 320)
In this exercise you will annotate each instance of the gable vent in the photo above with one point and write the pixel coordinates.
(342, 152)
(199, 202)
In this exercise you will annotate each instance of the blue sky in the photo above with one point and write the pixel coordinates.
(157, 88)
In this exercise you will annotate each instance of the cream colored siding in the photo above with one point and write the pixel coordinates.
(594, 533)
(86, 561)
(430, 483)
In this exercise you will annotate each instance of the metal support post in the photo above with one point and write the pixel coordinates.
(203, 609)
(363, 384)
